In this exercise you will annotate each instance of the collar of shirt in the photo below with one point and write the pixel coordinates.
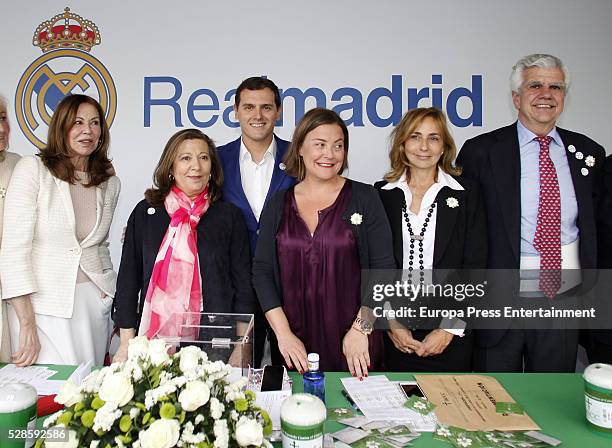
(444, 180)
(525, 136)
(245, 155)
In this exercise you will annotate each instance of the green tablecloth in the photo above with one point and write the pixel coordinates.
(554, 401)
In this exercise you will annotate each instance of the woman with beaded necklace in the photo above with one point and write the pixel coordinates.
(8, 160)
(438, 222)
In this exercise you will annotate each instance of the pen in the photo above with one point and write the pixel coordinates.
(349, 399)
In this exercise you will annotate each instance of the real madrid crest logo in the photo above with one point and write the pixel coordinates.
(66, 67)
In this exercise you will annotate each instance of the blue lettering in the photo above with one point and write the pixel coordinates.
(229, 97)
(395, 95)
(348, 102)
(299, 98)
(192, 107)
(415, 95)
(436, 94)
(355, 106)
(172, 102)
(475, 97)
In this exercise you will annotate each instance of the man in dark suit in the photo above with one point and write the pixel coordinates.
(599, 342)
(539, 186)
(252, 165)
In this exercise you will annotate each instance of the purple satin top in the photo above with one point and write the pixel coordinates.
(320, 277)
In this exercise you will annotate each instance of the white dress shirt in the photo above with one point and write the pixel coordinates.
(256, 177)
(455, 326)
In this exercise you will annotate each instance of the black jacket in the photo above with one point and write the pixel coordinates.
(461, 232)
(224, 256)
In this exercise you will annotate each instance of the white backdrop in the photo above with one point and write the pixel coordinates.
(325, 45)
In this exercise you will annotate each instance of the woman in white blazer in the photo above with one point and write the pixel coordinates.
(55, 266)
(8, 160)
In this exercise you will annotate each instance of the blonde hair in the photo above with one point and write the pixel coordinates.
(412, 120)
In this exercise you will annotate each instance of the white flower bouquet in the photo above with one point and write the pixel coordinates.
(156, 400)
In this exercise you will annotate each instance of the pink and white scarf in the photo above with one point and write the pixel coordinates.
(174, 298)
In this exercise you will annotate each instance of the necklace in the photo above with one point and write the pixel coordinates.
(420, 237)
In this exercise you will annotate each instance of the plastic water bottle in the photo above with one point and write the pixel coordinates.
(314, 379)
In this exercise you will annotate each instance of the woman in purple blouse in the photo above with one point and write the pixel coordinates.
(314, 240)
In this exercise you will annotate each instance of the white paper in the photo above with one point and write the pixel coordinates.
(38, 377)
(543, 438)
(271, 401)
(350, 435)
(10, 373)
(381, 399)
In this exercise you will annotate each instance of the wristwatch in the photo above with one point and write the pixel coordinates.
(363, 326)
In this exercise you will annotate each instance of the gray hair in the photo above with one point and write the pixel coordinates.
(536, 60)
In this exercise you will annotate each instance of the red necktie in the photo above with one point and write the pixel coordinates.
(547, 240)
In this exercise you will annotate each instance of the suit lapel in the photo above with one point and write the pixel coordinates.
(393, 201)
(446, 217)
(278, 175)
(64, 190)
(581, 183)
(505, 161)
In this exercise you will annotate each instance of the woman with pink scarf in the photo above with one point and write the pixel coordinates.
(184, 250)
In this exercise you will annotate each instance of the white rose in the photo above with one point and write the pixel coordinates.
(117, 388)
(162, 433)
(195, 394)
(69, 394)
(190, 358)
(221, 434)
(216, 408)
(248, 432)
(138, 347)
(72, 442)
(158, 351)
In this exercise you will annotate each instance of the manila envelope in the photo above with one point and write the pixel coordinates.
(468, 402)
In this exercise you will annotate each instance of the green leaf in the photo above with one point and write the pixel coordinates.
(97, 403)
(267, 422)
(79, 406)
(125, 423)
(65, 418)
(167, 411)
(241, 404)
(125, 439)
(182, 417)
(146, 418)
(87, 419)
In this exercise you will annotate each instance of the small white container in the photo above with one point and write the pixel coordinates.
(302, 421)
(598, 398)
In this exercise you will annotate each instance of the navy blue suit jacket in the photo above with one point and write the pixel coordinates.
(232, 184)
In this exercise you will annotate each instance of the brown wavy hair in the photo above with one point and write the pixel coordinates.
(412, 120)
(310, 121)
(162, 179)
(56, 155)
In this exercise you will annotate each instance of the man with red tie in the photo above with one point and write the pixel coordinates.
(539, 184)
